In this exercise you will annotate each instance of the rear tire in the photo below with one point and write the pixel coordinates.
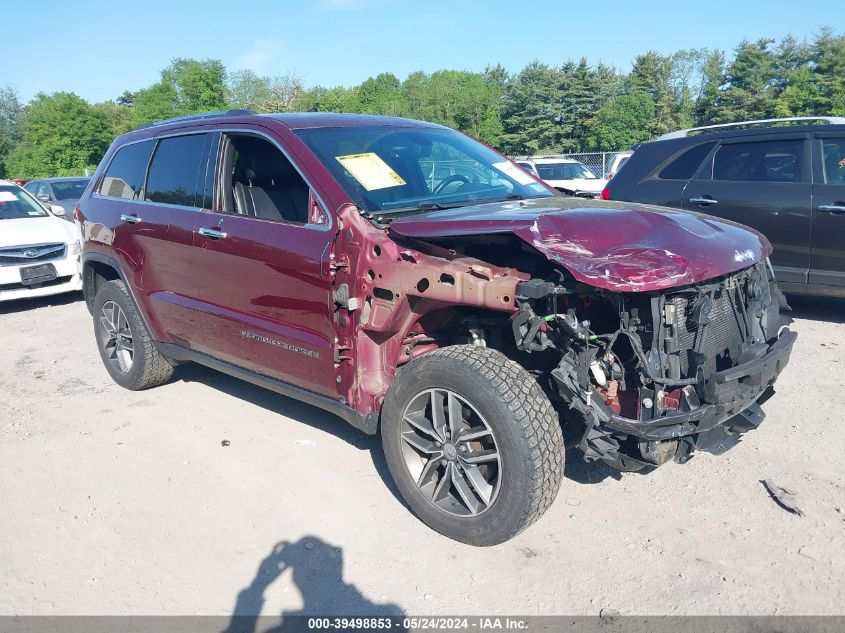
(126, 346)
(475, 486)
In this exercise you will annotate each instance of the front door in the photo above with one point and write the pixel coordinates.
(827, 258)
(265, 284)
(764, 184)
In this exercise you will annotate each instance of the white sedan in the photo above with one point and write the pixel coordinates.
(39, 251)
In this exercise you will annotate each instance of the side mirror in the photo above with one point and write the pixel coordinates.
(43, 197)
(57, 210)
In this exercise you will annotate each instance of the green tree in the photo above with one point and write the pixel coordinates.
(686, 82)
(61, 135)
(623, 122)
(187, 86)
(381, 94)
(652, 75)
(749, 92)
(337, 99)
(828, 58)
(579, 95)
(10, 128)
(121, 118)
(464, 100)
(531, 111)
(245, 89)
(712, 79)
(127, 99)
(794, 85)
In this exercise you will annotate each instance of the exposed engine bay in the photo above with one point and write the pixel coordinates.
(655, 376)
(646, 354)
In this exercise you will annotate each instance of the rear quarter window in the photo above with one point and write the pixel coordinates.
(124, 176)
(687, 163)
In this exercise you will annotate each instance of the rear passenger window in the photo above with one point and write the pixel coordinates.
(685, 165)
(125, 174)
(175, 171)
(763, 161)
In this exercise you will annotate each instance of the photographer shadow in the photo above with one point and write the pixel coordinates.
(317, 572)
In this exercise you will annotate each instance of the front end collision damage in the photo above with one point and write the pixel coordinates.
(682, 371)
(645, 364)
(394, 302)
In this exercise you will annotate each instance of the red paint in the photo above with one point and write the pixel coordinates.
(610, 245)
(277, 280)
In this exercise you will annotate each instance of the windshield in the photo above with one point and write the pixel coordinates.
(70, 189)
(564, 171)
(386, 169)
(14, 204)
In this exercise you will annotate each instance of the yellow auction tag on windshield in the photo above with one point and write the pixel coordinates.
(371, 171)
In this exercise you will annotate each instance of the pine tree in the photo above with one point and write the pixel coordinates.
(712, 79)
(750, 91)
(531, 111)
(828, 56)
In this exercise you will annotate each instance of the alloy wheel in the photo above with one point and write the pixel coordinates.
(451, 453)
(117, 337)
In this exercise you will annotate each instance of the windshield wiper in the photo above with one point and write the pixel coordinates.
(421, 206)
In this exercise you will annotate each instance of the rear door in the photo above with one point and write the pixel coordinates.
(658, 172)
(155, 237)
(827, 255)
(265, 287)
(763, 183)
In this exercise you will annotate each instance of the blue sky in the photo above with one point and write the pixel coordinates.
(100, 48)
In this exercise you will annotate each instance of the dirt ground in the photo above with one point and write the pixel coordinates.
(114, 502)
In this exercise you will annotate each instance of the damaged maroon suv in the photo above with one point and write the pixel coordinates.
(422, 286)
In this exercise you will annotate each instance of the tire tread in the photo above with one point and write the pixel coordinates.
(532, 411)
(157, 370)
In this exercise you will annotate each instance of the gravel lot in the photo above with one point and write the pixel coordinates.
(116, 502)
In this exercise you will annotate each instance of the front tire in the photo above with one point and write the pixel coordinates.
(473, 444)
(126, 346)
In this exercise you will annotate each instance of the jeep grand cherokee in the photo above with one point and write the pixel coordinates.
(422, 286)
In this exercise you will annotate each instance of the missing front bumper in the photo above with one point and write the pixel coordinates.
(730, 406)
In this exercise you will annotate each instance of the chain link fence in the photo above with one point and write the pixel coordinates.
(599, 163)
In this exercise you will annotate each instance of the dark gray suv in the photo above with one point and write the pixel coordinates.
(783, 177)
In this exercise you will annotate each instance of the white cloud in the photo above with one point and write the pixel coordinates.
(261, 56)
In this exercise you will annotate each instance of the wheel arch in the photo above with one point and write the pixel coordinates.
(98, 269)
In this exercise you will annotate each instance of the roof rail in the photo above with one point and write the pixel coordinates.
(196, 117)
(831, 120)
